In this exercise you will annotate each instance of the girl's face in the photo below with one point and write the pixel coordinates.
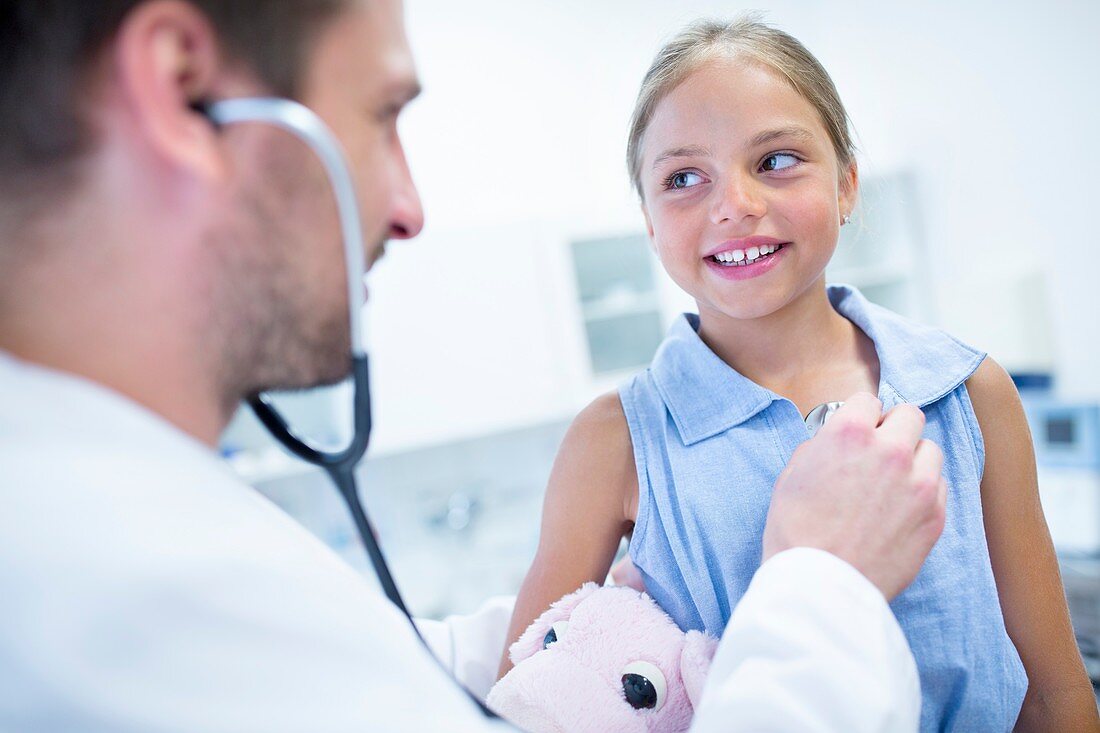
(742, 192)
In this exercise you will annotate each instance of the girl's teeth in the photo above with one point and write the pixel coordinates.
(738, 257)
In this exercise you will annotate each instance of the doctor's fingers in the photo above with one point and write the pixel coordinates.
(856, 418)
(928, 460)
(927, 480)
(902, 427)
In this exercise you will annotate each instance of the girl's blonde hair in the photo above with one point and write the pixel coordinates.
(706, 39)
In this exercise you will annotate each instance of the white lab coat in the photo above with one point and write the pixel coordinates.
(144, 587)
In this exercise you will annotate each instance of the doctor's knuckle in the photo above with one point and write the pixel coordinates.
(897, 455)
(926, 487)
(853, 434)
(912, 413)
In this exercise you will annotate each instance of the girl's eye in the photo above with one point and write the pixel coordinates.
(779, 161)
(683, 179)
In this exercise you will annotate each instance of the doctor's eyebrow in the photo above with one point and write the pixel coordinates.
(687, 151)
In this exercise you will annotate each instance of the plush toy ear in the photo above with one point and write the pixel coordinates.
(695, 659)
(530, 642)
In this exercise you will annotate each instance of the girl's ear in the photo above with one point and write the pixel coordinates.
(849, 190)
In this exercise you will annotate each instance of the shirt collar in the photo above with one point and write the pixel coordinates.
(918, 364)
(705, 396)
(36, 400)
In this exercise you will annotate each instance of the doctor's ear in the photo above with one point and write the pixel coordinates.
(164, 57)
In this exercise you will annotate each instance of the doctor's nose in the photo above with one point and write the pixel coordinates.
(736, 199)
(406, 212)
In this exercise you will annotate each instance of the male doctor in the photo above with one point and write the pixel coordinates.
(155, 270)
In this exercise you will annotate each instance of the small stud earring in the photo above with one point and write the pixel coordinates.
(846, 220)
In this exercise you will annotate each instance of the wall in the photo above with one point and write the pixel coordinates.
(517, 145)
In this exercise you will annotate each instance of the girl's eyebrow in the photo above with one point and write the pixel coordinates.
(799, 133)
(688, 151)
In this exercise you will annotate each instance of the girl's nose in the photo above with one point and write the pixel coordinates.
(738, 197)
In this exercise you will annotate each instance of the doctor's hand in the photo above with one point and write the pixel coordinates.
(867, 489)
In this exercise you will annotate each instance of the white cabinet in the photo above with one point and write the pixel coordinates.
(620, 303)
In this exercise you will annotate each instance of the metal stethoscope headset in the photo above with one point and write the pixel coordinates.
(340, 465)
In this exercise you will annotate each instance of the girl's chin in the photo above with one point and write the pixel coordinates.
(753, 302)
(741, 309)
(744, 313)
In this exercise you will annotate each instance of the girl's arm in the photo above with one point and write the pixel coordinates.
(1059, 695)
(586, 512)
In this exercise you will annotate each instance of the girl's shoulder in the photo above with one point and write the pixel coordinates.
(600, 428)
(598, 447)
(994, 397)
(605, 413)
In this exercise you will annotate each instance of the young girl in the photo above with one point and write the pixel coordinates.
(741, 155)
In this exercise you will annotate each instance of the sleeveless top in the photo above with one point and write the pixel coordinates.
(709, 445)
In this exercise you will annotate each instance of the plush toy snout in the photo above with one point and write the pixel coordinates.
(604, 659)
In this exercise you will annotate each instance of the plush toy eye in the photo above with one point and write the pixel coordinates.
(644, 686)
(557, 631)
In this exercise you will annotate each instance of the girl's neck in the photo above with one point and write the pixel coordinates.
(805, 351)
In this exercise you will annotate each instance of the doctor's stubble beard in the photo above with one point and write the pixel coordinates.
(279, 326)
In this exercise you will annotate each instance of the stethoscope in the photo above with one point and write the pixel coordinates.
(340, 465)
(817, 417)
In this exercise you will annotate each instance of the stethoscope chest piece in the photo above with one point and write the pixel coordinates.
(818, 416)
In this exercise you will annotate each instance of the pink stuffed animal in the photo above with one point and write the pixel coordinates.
(604, 659)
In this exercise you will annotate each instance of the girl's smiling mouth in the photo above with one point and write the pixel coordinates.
(741, 259)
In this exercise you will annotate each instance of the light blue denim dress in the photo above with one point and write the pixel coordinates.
(709, 445)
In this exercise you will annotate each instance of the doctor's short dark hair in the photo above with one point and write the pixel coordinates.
(48, 46)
